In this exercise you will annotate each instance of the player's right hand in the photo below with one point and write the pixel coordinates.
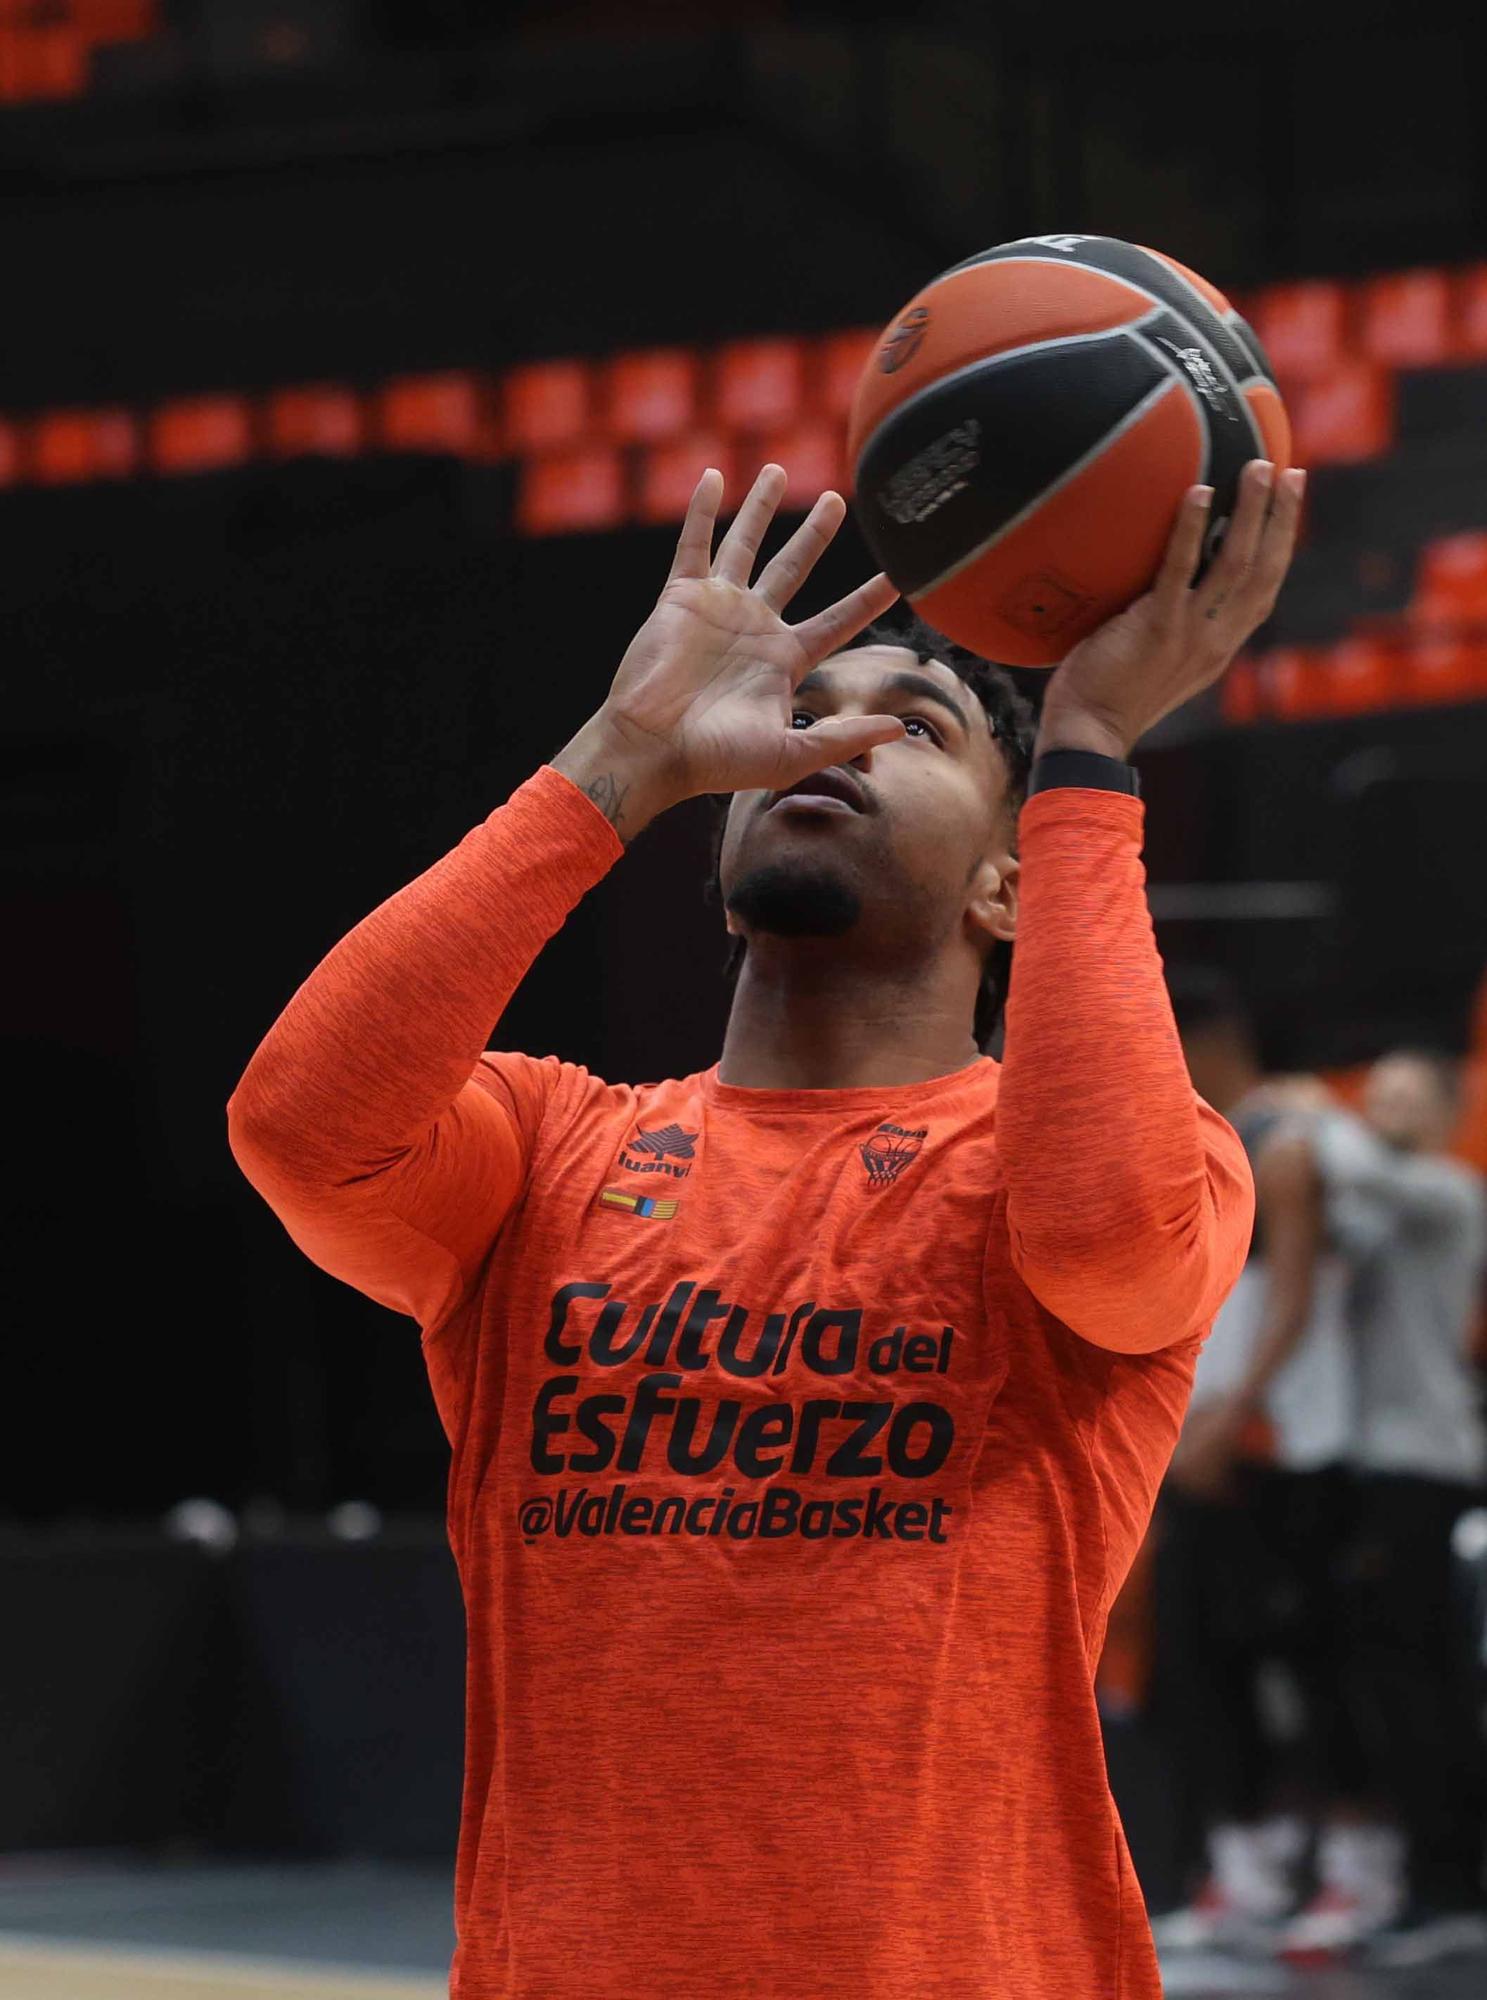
(705, 695)
(1178, 638)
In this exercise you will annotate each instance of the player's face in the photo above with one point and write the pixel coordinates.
(1406, 1102)
(922, 848)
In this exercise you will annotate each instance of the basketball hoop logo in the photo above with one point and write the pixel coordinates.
(904, 342)
(889, 1151)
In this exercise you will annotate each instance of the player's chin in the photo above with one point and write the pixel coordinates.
(804, 839)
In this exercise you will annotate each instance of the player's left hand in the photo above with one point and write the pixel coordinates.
(1177, 639)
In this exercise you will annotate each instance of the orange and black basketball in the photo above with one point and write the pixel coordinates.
(1025, 431)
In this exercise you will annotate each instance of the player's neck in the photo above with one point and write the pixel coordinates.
(802, 1024)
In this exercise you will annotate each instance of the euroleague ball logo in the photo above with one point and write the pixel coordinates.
(904, 341)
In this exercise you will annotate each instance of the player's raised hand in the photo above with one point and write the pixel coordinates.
(1179, 637)
(703, 698)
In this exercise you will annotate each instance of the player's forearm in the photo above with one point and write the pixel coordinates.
(1280, 1336)
(1128, 1201)
(1096, 1120)
(616, 773)
(386, 1030)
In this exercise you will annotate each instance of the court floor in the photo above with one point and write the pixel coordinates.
(78, 1927)
(1213, 1977)
(83, 1927)
(60, 1972)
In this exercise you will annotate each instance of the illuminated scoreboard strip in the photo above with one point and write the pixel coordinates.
(600, 443)
(597, 444)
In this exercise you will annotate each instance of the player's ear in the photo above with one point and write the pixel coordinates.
(991, 899)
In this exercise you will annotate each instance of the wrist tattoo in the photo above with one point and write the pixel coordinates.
(609, 797)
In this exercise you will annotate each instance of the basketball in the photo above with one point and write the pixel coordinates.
(1026, 428)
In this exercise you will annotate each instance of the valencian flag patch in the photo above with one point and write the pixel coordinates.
(638, 1204)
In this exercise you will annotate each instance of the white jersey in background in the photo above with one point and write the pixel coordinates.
(1415, 1230)
(1310, 1400)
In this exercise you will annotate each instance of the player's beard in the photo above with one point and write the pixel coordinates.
(795, 902)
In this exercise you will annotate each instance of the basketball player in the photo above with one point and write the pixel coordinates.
(805, 1412)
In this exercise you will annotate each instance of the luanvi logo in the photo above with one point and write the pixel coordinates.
(655, 1152)
(1068, 244)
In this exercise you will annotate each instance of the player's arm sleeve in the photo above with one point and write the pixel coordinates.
(1129, 1201)
(370, 1118)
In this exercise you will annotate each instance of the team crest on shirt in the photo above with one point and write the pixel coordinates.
(890, 1149)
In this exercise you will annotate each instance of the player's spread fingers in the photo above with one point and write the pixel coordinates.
(1185, 544)
(734, 562)
(839, 622)
(694, 546)
(783, 575)
(1235, 560)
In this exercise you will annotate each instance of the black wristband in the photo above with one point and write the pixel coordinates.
(1085, 768)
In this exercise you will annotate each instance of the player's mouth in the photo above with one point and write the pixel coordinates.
(835, 790)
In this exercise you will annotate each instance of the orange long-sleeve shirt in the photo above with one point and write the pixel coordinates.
(800, 1438)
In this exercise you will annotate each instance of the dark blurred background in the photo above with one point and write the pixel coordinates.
(355, 353)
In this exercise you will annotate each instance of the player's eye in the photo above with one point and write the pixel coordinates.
(923, 721)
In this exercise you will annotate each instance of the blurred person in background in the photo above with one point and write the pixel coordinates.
(1414, 1226)
(1252, 1517)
